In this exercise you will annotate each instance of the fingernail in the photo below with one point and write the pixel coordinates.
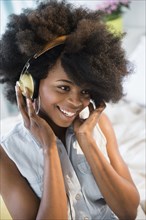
(17, 83)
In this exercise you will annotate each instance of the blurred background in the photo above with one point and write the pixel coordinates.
(128, 115)
(133, 23)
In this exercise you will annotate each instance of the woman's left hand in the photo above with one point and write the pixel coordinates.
(84, 127)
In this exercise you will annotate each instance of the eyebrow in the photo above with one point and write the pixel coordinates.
(65, 80)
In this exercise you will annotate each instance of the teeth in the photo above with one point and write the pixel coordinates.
(69, 114)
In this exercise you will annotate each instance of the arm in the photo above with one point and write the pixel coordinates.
(113, 178)
(20, 199)
(54, 201)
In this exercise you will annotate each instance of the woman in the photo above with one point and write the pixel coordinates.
(56, 164)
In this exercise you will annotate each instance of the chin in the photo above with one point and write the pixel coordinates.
(64, 125)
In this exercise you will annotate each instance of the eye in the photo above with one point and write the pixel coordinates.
(85, 92)
(64, 88)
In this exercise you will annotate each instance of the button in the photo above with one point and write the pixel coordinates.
(60, 150)
(78, 197)
(86, 218)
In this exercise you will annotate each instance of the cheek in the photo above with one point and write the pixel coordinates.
(48, 102)
(47, 97)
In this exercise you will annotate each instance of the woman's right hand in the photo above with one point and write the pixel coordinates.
(37, 126)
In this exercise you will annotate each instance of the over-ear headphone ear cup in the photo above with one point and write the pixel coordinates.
(26, 80)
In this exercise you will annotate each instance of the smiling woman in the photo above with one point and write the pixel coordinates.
(53, 159)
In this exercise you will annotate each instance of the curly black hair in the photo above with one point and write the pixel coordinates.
(91, 54)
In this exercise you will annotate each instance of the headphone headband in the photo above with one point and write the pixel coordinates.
(56, 42)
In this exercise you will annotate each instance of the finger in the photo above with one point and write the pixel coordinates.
(30, 108)
(94, 116)
(35, 120)
(21, 105)
(77, 123)
(91, 107)
(98, 110)
(102, 105)
(27, 93)
(36, 105)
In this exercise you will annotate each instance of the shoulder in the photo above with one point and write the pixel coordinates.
(105, 123)
(107, 129)
(14, 136)
(14, 188)
(17, 135)
(4, 159)
(8, 170)
(17, 142)
(16, 129)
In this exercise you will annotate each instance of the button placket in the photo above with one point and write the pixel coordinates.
(72, 185)
(86, 218)
(78, 196)
(60, 150)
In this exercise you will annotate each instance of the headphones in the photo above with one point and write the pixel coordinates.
(26, 79)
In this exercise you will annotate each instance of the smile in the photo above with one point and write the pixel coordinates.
(67, 113)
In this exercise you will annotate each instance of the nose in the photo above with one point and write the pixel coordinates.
(75, 100)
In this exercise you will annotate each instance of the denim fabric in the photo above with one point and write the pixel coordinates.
(85, 200)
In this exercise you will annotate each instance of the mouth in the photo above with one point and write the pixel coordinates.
(69, 114)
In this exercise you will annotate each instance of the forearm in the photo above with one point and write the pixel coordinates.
(115, 188)
(54, 201)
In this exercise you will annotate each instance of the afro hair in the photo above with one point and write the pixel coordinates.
(91, 54)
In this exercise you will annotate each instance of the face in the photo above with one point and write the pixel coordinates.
(61, 100)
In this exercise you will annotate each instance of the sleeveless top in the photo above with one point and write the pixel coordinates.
(85, 200)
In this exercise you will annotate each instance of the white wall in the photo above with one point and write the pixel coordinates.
(134, 24)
